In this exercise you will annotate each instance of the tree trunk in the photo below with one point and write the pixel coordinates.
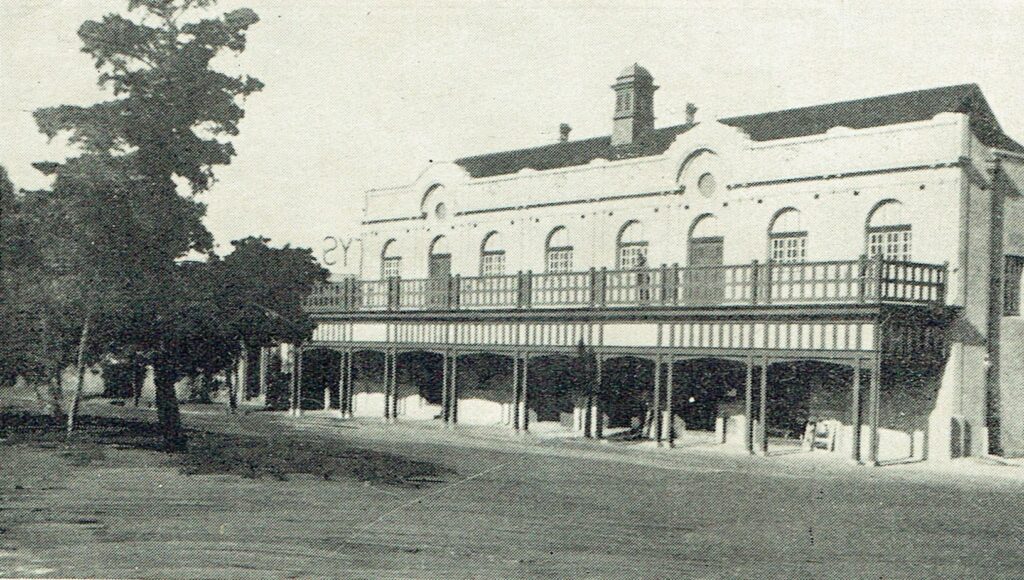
(138, 379)
(175, 440)
(42, 396)
(193, 391)
(55, 396)
(80, 386)
(207, 387)
(229, 379)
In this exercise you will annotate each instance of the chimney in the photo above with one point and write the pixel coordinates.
(691, 112)
(563, 132)
(634, 106)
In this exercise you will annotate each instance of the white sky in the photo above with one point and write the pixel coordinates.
(365, 94)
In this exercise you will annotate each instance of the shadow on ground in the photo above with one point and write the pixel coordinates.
(216, 453)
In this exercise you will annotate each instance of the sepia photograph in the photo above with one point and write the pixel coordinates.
(493, 289)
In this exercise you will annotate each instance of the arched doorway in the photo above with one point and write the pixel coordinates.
(704, 282)
(439, 270)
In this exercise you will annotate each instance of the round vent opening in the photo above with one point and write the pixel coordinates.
(706, 185)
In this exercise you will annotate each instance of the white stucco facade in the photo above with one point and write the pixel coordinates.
(938, 188)
(833, 180)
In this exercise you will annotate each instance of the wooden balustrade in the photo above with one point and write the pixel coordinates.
(757, 283)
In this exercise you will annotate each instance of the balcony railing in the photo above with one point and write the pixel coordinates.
(850, 281)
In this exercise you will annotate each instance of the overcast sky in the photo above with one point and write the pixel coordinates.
(360, 94)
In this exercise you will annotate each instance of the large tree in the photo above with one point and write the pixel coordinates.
(263, 288)
(16, 254)
(36, 297)
(251, 298)
(171, 117)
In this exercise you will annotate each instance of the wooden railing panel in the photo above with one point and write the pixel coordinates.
(373, 294)
(568, 289)
(489, 292)
(849, 281)
(633, 287)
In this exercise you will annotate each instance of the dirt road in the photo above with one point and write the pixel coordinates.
(513, 509)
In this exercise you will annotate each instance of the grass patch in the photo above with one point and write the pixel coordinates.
(253, 456)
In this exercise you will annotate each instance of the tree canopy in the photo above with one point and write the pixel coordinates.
(252, 297)
(170, 119)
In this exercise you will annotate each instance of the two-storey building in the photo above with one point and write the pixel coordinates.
(837, 273)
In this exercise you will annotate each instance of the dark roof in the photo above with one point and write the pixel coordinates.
(569, 153)
(800, 122)
(878, 112)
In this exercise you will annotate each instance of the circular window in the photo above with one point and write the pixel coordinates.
(441, 211)
(706, 185)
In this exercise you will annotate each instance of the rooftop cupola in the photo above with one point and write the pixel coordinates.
(634, 105)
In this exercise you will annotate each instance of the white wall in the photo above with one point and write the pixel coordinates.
(834, 209)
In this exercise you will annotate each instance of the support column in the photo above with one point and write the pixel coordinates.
(656, 408)
(297, 373)
(350, 386)
(351, 383)
(293, 384)
(243, 375)
(453, 398)
(386, 385)
(762, 420)
(855, 413)
(445, 359)
(588, 410)
(264, 368)
(514, 409)
(748, 408)
(670, 422)
(598, 408)
(390, 382)
(394, 385)
(327, 397)
(873, 410)
(342, 388)
(524, 408)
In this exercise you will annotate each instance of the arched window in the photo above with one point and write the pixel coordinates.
(888, 232)
(631, 247)
(390, 260)
(558, 251)
(492, 255)
(787, 238)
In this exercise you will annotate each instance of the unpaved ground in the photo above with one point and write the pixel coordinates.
(513, 509)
